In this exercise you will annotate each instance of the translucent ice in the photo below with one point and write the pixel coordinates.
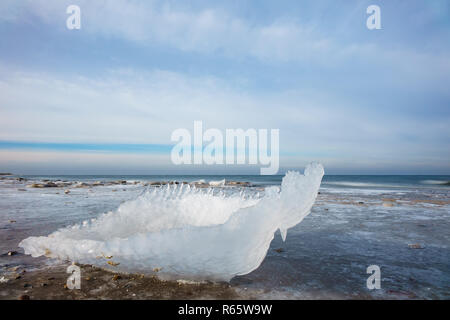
(186, 233)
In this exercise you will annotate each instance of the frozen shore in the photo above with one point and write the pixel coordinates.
(403, 229)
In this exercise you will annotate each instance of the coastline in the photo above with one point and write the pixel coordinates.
(325, 257)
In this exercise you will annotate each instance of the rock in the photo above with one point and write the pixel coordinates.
(388, 204)
(111, 263)
(35, 185)
(67, 191)
(279, 250)
(27, 285)
(50, 185)
(81, 185)
(117, 277)
(415, 246)
(24, 297)
(12, 221)
(11, 253)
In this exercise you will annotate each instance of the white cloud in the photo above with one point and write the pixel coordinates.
(219, 32)
(126, 106)
(129, 106)
(208, 30)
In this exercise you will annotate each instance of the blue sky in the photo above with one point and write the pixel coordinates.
(107, 97)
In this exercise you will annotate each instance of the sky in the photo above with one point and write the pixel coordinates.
(105, 99)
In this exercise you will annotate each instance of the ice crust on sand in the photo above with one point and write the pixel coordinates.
(186, 233)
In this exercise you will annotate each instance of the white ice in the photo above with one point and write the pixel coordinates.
(186, 233)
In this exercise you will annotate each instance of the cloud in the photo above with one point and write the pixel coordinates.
(129, 106)
(206, 30)
(343, 96)
(216, 31)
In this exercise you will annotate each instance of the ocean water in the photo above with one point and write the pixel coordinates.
(357, 221)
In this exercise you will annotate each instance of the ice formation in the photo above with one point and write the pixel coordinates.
(186, 233)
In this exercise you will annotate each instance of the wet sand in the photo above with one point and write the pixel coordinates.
(96, 283)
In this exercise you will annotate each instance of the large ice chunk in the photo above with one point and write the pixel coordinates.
(186, 233)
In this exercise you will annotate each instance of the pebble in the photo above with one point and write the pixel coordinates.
(415, 246)
(24, 297)
(117, 277)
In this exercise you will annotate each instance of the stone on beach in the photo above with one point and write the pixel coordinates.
(415, 246)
